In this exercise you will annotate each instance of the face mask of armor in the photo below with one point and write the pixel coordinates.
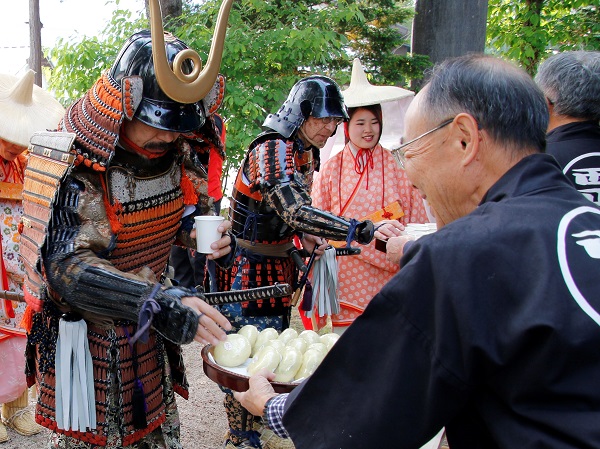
(156, 108)
(315, 95)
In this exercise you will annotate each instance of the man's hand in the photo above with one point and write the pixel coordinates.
(260, 391)
(395, 247)
(388, 228)
(222, 246)
(309, 242)
(211, 324)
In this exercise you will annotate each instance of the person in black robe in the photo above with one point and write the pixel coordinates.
(571, 83)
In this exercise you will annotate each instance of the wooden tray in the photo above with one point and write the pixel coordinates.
(231, 380)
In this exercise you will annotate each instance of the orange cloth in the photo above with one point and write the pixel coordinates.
(215, 163)
(361, 277)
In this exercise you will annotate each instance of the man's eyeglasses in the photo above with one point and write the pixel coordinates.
(327, 120)
(399, 152)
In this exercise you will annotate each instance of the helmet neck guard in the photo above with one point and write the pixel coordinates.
(96, 118)
(315, 95)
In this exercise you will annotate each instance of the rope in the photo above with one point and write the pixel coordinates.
(354, 223)
(147, 312)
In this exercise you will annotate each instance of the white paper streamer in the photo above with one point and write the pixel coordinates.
(325, 285)
(75, 398)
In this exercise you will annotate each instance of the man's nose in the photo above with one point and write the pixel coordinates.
(331, 126)
(168, 136)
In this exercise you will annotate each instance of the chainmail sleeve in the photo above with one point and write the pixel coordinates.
(82, 279)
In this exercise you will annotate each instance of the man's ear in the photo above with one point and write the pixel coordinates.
(469, 135)
(550, 105)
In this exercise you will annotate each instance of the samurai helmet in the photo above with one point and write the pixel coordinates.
(157, 79)
(156, 108)
(174, 82)
(316, 95)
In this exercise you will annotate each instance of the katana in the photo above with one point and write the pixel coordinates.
(250, 294)
(213, 298)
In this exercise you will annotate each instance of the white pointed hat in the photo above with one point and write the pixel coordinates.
(25, 108)
(362, 93)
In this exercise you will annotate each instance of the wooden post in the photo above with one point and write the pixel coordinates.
(448, 28)
(35, 40)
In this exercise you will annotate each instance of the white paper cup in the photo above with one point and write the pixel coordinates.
(206, 232)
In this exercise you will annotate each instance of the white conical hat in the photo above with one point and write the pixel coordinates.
(25, 108)
(363, 93)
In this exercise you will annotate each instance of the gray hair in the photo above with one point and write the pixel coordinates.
(503, 99)
(571, 82)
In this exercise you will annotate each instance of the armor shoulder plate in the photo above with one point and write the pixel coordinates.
(270, 162)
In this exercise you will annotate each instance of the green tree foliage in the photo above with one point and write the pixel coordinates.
(526, 31)
(270, 45)
(78, 64)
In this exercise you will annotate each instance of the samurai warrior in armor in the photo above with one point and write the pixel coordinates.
(104, 343)
(271, 205)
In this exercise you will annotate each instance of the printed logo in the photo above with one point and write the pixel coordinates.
(584, 172)
(579, 257)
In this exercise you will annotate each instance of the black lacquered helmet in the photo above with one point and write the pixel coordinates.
(156, 108)
(315, 95)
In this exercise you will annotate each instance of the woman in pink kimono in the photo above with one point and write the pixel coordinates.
(24, 109)
(365, 182)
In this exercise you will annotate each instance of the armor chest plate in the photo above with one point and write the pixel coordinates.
(149, 210)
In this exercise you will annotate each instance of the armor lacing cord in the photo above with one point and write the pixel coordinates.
(354, 223)
(252, 436)
(251, 223)
(147, 312)
(138, 399)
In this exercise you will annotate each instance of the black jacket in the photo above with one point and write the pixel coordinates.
(491, 329)
(576, 147)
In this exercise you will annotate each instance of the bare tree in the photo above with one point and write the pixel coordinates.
(35, 41)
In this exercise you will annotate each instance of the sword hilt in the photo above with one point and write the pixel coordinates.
(251, 294)
(12, 296)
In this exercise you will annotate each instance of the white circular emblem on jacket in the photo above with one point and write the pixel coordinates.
(579, 243)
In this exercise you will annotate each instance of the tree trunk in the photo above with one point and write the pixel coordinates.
(447, 28)
(35, 41)
(171, 9)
